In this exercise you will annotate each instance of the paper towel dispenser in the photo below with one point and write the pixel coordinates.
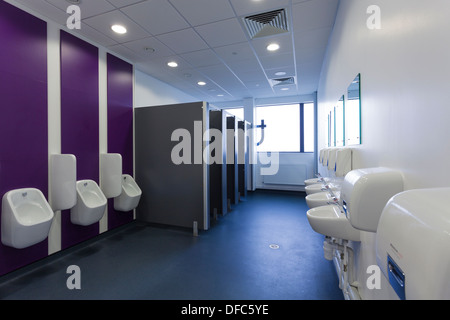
(365, 192)
(413, 241)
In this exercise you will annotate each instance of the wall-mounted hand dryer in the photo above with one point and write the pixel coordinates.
(365, 192)
(413, 241)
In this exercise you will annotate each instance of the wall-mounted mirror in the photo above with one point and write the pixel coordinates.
(332, 127)
(329, 130)
(353, 113)
(340, 123)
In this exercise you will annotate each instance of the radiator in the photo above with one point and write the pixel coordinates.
(288, 174)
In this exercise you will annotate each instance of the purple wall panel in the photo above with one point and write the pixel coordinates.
(120, 125)
(79, 122)
(23, 121)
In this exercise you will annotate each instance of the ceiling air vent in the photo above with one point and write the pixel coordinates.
(283, 81)
(267, 23)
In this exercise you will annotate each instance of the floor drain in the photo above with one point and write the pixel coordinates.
(274, 246)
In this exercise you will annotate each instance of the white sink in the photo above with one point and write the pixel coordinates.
(315, 188)
(321, 199)
(331, 221)
(313, 181)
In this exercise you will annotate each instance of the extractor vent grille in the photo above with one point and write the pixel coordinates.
(283, 81)
(267, 23)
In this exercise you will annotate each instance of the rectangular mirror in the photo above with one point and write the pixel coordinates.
(353, 112)
(332, 128)
(328, 131)
(340, 123)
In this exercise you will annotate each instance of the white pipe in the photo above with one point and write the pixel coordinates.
(343, 261)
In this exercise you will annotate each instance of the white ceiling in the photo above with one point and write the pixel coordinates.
(209, 41)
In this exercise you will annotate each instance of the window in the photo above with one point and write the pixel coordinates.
(288, 128)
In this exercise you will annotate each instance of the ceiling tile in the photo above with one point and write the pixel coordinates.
(277, 61)
(246, 7)
(222, 76)
(87, 8)
(198, 12)
(149, 48)
(235, 52)
(258, 85)
(202, 58)
(247, 70)
(159, 64)
(251, 76)
(183, 41)
(104, 22)
(222, 33)
(283, 40)
(156, 16)
(123, 3)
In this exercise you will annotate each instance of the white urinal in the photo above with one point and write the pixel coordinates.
(26, 218)
(130, 196)
(91, 203)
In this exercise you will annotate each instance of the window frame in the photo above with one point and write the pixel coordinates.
(301, 126)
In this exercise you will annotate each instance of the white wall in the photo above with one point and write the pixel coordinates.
(405, 82)
(149, 91)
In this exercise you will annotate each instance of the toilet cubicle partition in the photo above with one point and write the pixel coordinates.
(170, 168)
(243, 157)
(218, 167)
(232, 159)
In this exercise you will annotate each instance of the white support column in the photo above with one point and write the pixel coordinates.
(54, 121)
(250, 116)
(103, 118)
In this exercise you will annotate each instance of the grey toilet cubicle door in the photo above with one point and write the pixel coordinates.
(174, 194)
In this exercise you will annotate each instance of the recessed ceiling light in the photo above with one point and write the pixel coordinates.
(220, 95)
(284, 89)
(201, 83)
(280, 73)
(273, 47)
(149, 49)
(172, 64)
(117, 28)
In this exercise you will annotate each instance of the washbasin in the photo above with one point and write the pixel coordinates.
(314, 181)
(320, 187)
(322, 199)
(331, 221)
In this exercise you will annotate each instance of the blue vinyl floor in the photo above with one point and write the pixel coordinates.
(231, 261)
